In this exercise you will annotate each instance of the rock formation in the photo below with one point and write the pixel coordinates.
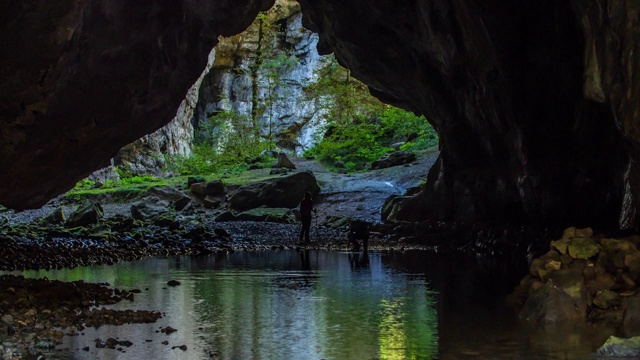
(293, 117)
(536, 103)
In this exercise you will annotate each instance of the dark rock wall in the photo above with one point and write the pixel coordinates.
(502, 82)
(81, 79)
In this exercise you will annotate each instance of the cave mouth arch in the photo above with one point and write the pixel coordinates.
(524, 137)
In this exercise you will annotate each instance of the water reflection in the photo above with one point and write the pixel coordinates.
(327, 305)
(268, 305)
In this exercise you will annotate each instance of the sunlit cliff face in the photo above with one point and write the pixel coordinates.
(535, 107)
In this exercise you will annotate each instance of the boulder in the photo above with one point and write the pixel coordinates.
(175, 197)
(549, 305)
(226, 216)
(632, 262)
(212, 202)
(601, 282)
(571, 282)
(583, 248)
(57, 216)
(214, 188)
(282, 161)
(194, 179)
(631, 316)
(283, 192)
(606, 299)
(149, 209)
(394, 158)
(620, 347)
(338, 222)
(85, 215)
(263, 213)
(391, 205)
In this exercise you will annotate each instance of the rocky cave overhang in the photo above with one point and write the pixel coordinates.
(536, 103)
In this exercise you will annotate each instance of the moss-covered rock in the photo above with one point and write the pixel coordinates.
(85, 215)
(583, 248)
(57, 216)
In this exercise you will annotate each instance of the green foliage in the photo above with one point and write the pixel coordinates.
(223, 144)
(360, 127)
(84, 184)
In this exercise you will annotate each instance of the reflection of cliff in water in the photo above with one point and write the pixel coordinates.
(319, 304)
(274, 304)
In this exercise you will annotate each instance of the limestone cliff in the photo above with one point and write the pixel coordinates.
(228, 86)
(225, 85)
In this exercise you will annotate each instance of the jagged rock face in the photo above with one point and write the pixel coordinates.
(503, 82)
(293, 118)
(82, 79)
(147, 154)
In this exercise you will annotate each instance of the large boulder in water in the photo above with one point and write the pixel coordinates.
(282, 192)
(620, 347)
(550, 305)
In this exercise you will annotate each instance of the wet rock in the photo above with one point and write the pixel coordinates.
(392, 205)
(394, 158)
(45, 344)
(85, 215)
(173, 283)
(601, 282)
(337, 222)
(606, 299)
(620, 347)
(571, 282)
(632, 262)
(550, 305)
(631, 316)
(181, 347)
(168, 330)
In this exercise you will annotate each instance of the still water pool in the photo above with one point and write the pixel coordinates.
(324, 305)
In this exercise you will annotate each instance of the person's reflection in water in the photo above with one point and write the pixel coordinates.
(359, 261)
(304, 260)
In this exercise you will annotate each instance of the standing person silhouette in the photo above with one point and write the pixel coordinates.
(306, 207)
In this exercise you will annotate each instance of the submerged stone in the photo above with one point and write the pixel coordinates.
(549, 305)
(620, 347)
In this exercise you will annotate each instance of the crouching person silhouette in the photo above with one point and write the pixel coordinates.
(359, 230)
(306, 207)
